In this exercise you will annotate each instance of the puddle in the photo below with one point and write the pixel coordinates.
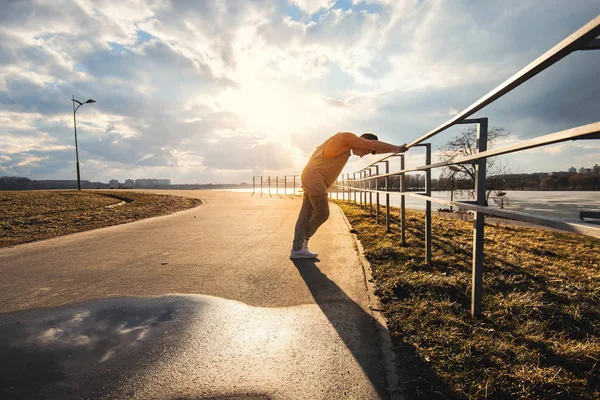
(42, 348)
(188, 347)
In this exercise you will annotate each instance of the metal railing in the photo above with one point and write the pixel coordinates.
(365, 182)
(276, 182)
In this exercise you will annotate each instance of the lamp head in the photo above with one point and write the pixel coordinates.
(90, 101)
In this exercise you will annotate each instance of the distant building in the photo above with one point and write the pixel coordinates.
(573, 170)
(150, 183)
(113, 183)
(129, 183)
(596, 169)
(585, 171)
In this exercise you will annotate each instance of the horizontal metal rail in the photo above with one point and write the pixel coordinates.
(574, 42)
(580, 132)
(575, 227)
(359, 184)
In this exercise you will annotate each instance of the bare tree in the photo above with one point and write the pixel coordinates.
(465, 144)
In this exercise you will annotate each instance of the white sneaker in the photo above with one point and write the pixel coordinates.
(302, 253)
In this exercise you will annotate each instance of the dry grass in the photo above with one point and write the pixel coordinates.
(27, 216)
(539, 337)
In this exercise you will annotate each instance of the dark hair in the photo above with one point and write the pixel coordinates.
(370, 136)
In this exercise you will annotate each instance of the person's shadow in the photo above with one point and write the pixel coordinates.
(356, 328)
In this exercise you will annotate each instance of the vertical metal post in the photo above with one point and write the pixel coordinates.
(377, 194)
(387, 197)
(347, 184)
(402, 203)
(348, 187)
(370, 193)
(277, 185)
(253, 184)
(479, 219)
(285, 185)
(361, 184)
(337, 189)
(354, 185)
(294, 185)
(269, 182)
(76, 151)
(428, 205)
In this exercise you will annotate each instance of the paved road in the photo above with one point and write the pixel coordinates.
(204, 303)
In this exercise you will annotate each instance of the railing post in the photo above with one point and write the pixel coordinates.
(348, 185)
(377, 194)
(253, 185)
(402, 203)
(269, 183)
(285, 185)
(337, 188)
(294, 185)
(370, 193)
(479, 220)
(428, 205)
(361, 185)
(354, 185)
(261, 186)
(277, 185)
(387, 197)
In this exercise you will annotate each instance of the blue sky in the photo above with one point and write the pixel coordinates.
(217, 91)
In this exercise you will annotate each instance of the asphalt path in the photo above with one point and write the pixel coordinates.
(203, 303)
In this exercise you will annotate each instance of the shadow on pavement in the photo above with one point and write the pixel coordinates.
(356, 327)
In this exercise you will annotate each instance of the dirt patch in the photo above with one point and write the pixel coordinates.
(27, 216)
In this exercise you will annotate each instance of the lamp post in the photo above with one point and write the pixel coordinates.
(454, 171)
(75, 127)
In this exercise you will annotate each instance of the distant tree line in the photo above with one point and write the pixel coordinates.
(21, 183)
(535, 181)
(555, 181)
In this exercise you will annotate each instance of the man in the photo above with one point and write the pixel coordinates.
(321, 171)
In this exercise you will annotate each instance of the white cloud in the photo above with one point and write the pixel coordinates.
(208, 90)
(312, 6)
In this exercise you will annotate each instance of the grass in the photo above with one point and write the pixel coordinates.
(539, 336)
(27, 216)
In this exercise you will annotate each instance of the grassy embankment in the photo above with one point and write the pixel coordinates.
(27, 216)
(539, 337)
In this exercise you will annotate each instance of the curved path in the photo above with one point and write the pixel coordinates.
(203, 303)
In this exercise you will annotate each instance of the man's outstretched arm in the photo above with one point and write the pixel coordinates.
(353, 141)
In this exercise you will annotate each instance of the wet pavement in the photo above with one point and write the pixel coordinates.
(245, 324)
(180, 347)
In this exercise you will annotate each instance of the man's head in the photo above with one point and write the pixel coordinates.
(363, 152)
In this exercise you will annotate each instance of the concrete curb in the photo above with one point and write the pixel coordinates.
(376, 309)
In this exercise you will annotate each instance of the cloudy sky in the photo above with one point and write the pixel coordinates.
(216, 91)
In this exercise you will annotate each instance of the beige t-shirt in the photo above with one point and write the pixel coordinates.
(320, 172)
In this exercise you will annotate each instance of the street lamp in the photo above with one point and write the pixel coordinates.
(454, 171)
(75, 127)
